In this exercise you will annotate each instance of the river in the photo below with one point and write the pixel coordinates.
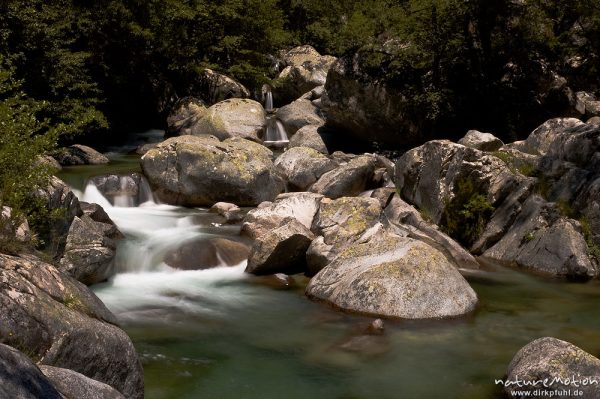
(218, 334)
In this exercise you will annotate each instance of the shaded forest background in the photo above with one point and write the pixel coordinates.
(119, 64)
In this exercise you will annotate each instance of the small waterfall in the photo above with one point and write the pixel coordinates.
(91, 194)
(275, 134)
(269, 101)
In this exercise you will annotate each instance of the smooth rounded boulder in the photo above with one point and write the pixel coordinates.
(79, 154)
(309, 136)
(395, 277)
(233, 118)
(563, 365)
(200, 171)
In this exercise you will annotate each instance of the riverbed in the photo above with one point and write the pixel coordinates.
(219, 334)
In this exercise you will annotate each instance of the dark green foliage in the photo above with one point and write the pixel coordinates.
(466, 214)
(23, 138)
(593, 248)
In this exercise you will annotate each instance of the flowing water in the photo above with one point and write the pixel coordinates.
(219, 334)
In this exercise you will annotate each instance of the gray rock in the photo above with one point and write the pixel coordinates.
(302, 167)
(195, 171)
(552, 359)
(544, 241)
(298, 114)
(59, 322)
(184, 117)
(20, 378)
(78, 154)
(299, 206)
(428, 176)
(52, 232)
(231, 212)
(338, 224)
(409, 220)
(13, 228)
(348, 179)
(144, 148)
(393, 276)
(594, 121)
(241, 118)
(587, 104)
(308, 136)
(481, 141)
(91, 246)
(73, 385)
(539, 141)
(217, 87)
(208, 253)
(282, 250)
(305, 69)
(49, 163)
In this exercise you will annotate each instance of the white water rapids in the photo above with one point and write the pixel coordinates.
(146, 289)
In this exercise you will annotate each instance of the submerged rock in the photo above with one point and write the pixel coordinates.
(555, 361)
(197, 171)
(79, 154)
(393, 276)
(59, 322)
(207, 253)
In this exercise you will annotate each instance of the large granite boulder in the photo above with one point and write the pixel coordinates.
(539, 141)
(242, 118)
(302, 167)
(427, 176)
(91, 246)
(299, 114)
(79, 154)
(542, 240)
(21, 378)
(556, 362)
(57, 321)
(304, 69)
(198, 171)
(393, 276)
(269, 215)
(338, 224)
